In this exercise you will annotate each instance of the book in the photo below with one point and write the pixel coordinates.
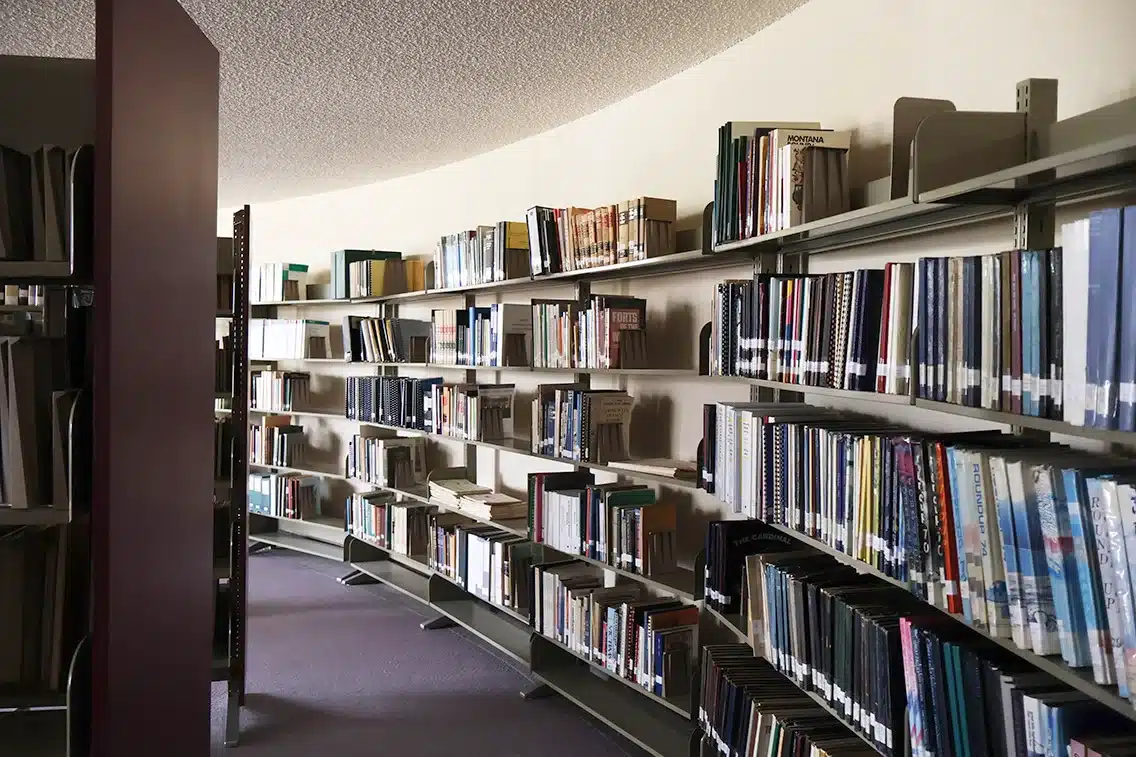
(658, 466)
(494, 336)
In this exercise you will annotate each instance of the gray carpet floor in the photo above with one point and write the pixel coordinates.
(336, 671)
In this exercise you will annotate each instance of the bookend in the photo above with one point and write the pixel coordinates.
(358, 551)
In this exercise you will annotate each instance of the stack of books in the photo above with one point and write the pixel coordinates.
(482, 255)
(475, 412)
(279, 391)
(385, 340)
(746, 707)
(605, 333)
(377, 457)
(488, 563)
(275, 440)
(376, 518)
(774, 176)
(283, 495)
(576, 423)
(840, 330)
(278, 282)
(650, 642)
(288, 339)
(477, 501)
(494, 335)
(621, 525)
(572, 239)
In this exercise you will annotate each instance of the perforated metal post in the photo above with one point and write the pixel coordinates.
(238, 485)
(469, 451)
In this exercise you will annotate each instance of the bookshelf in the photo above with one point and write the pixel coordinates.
(931, 190)
(113, 221)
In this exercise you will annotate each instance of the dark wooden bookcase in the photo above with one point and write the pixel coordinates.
(142, 274)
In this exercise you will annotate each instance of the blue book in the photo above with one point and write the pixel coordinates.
(1056, 544)
(960, 541)
(1104, 282)
(1080, 558)
(1126, 394)
(1036, 588)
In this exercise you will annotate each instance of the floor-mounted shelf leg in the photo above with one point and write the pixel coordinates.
(537, 691)
(357, 578)
(439, 622)
(259, 547)
(233, 721)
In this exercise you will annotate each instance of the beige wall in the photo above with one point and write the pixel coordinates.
(842, 62)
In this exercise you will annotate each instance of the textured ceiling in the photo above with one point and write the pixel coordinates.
(325, 94)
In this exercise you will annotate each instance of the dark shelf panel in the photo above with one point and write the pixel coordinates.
(660, 732)
(491, 625)
(399, 577)
(1029, 421)
(300, 544)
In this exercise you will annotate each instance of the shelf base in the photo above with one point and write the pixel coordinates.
(436, 624)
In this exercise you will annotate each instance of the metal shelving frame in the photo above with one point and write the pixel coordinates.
(1016, 166)
(229, 660)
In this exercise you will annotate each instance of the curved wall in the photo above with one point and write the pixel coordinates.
(842, 62)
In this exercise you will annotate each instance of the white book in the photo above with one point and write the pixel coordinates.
(1075, 321)
(990, 544)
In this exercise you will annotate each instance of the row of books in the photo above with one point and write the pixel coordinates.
(474, 412)
(963, 697)
(493, 335)
(651, 642)
(618, 524)
(24, 294)
(576, 423)
(1027, 540)
(378, 457)
(43, 196)
(477, 501)
(915, 683)
(1036, 332)
(275, 440)
(278, 282)
(777, 175)
(385, 340)
(482, 255)
(842, 330)
(567, 334)
(38, 624)
(279, 391)
(746, 707)
(34, 424)
(572, 239)
(283, 495)
(401, 527)
(288, 339)
(374, 277)
(486, 562)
